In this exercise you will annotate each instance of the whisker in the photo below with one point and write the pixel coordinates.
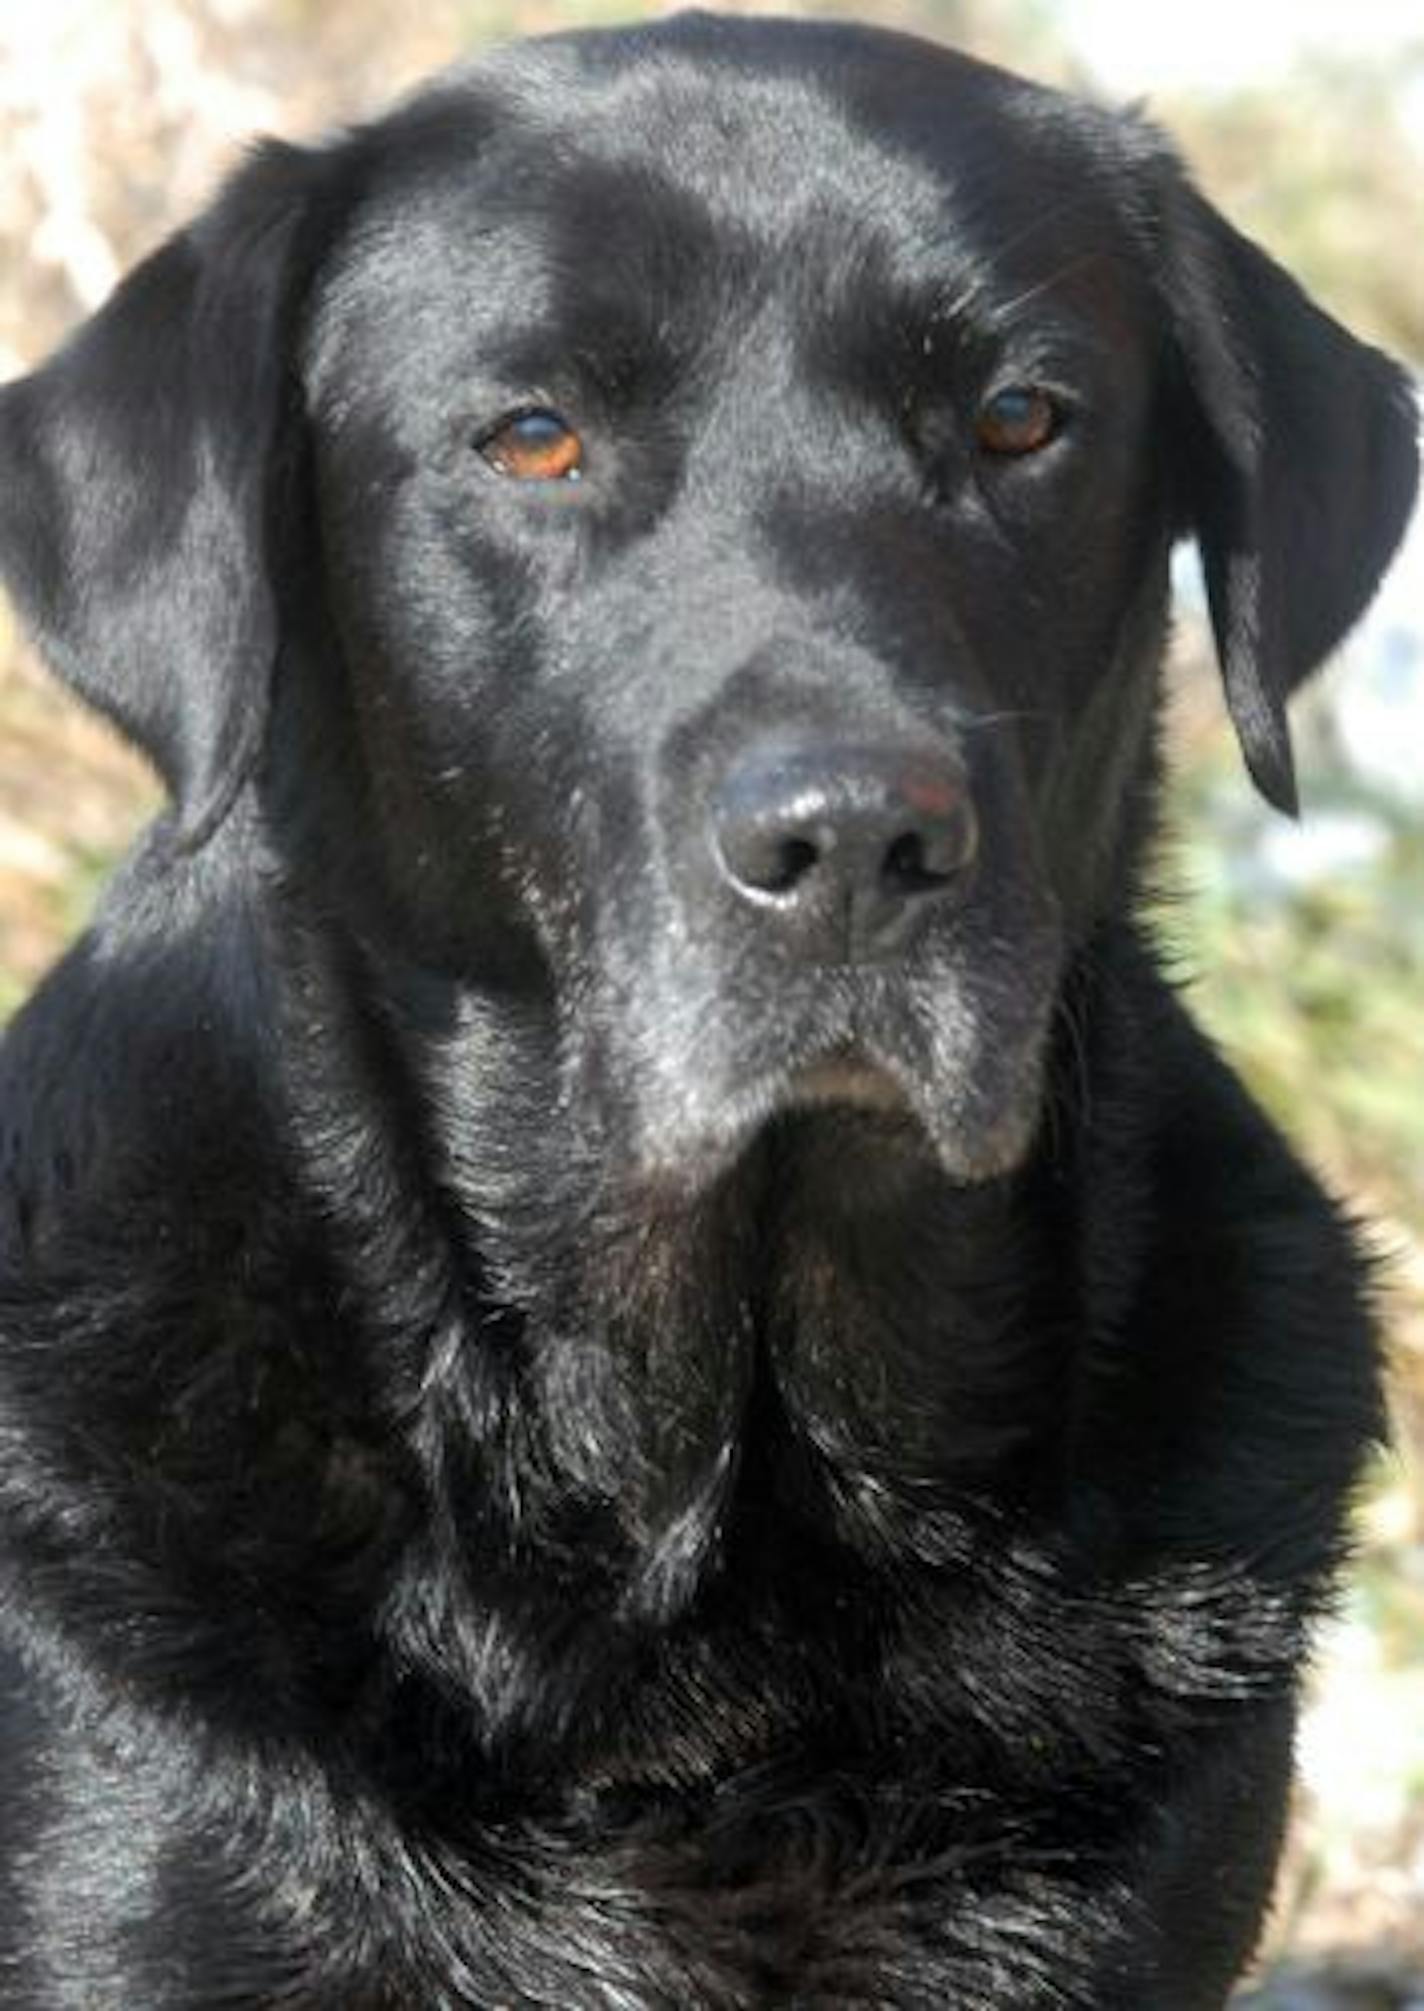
(972, 294)
(1005, 310)
(1008, 718)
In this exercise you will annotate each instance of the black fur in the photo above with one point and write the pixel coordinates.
(562, 1446)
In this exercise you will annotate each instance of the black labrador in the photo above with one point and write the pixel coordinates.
(643, 1361)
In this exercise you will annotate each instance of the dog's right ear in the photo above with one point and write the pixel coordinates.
(139, 472)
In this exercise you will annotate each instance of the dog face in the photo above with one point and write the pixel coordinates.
(715, 607)
(702, 630)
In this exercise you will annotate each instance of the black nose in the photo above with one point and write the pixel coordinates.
(848, 847)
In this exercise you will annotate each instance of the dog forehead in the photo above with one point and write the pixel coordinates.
(556, 149)
(758, 128)
(759, 110)
(667, 174)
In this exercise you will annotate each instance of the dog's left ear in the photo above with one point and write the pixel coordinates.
(138, 471)
(1302, 460)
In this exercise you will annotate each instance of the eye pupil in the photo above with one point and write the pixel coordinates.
(534, 446)
(1017, 420)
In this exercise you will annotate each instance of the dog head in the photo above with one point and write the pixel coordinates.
(672, 528)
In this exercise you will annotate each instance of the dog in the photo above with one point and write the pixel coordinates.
(644, 1362)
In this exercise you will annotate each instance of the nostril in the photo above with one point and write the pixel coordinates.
(936, 851)
(795, 858)
(761, 856)
(904, 868)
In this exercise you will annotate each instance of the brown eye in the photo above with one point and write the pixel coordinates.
(534, 446)
(1017, 420)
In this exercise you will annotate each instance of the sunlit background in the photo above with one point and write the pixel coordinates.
(1305, 121)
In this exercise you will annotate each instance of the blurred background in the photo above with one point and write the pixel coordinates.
(1305, 944)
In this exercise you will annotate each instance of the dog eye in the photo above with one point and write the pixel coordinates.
(1017, 420)
(534, 446)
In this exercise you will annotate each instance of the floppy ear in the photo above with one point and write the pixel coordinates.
(1303, 462)
(138, 470)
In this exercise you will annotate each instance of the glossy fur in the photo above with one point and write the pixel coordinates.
(557, 1446)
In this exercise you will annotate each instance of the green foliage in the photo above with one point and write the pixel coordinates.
(1322, 170)
(1313, 986)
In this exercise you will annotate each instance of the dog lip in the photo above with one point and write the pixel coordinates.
(845, 1075)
